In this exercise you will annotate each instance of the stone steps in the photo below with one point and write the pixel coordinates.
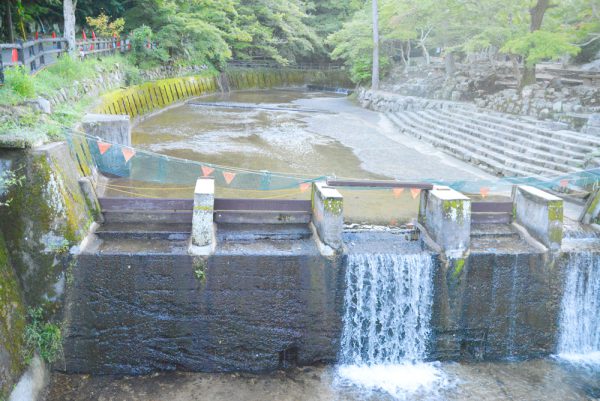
(500, 151)
(494, 230)
(558, 152)
(567, 138)
(494, 163)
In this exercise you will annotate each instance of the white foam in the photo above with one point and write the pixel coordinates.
(591, 359)
(401, 381)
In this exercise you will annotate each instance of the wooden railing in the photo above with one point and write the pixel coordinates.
(34, 55)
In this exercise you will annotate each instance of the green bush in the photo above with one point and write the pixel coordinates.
(42, 337)
(20, 82)
(140, 55)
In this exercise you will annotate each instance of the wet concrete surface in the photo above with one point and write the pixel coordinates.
(537, 380)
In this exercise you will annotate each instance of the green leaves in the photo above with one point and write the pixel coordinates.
(540, 45)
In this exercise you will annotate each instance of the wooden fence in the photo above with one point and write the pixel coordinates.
(34, 55)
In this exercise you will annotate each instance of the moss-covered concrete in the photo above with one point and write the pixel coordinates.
(47, 215)
(12, 324)
(141, 99)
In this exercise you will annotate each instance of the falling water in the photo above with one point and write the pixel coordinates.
(387, 323)
(580, 316)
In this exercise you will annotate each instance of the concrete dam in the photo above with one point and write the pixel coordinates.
(287, 227)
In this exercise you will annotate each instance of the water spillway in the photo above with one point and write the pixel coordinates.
(387, 324)
(387, 308)
(580, 315)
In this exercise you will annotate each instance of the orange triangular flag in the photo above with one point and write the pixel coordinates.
(206, 171)
(415, 192)
(397, 192)
(128, 153)
(103, 147)
(304, 186)
(484, 191)
(564, 183)
(228, 176)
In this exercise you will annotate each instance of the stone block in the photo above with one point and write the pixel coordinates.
(328, 214)
(540, 213)
(446, 215)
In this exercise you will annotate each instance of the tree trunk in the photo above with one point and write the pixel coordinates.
(516, 70)
(537, 18)
(425, 53)
(528, 76)
(69, 31)
(11, 28)
(375, 75)
(450, 65)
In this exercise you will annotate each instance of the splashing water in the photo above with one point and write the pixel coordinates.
(387, 324)
(580, 316)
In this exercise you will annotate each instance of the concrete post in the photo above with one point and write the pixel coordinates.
(202, 221)
(446, 215)
(328, 214)
(115, 129)
(540, 213)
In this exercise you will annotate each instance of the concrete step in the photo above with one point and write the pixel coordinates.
(140, 216)
(493, 230)
(157, 231)
(488, 143)
(503, 121)
(253, 232)
(463, 148)
(508, 140)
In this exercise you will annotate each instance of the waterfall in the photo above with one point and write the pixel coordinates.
(386, 325)
(580, 315)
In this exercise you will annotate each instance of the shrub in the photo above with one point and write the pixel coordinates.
(42, 337)
(20, 82)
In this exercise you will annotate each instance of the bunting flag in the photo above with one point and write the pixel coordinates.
(564, 183)
(15, 56)
(304, 187)
(103, 147)
(415, 192)
(37, 35)
(228, 177)
(128, 153)
(83, 35)
(93, 35)
(397, 192)
(53, 35)
(484, 191)
(207, 171)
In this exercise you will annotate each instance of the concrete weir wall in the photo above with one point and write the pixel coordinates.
(250, 309)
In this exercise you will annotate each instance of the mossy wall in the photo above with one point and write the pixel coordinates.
(141, 99)
(12, 324)
(47, 215)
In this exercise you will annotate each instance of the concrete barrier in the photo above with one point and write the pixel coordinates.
(115, 129)
(328, 214)
(203, 236)
(540, 213)
(446, 215)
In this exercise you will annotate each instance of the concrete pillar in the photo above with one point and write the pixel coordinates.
(540, 213)
(328, 214)
(115, 129)
(446, 215)
(202, 221)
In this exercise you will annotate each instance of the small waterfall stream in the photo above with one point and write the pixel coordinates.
(387, 323)
(580, 316)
